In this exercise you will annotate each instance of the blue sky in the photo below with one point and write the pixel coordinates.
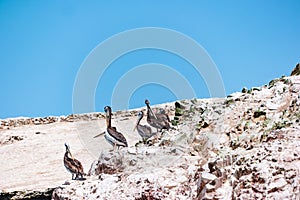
(44, 43)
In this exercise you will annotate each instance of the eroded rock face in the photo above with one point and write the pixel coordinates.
(296, 70)
(108, 163)
(244, 146)
(17, 122)
(10, 139)
(27, 195)
(136, 173)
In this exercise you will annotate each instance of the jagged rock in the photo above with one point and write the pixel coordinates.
(296, 70)
(244, 90)
(27, 195)
(206, 177)
(11, 139)
(277, 185)
(259, 113)
(243, 147)
(207, 183)
(108, 163)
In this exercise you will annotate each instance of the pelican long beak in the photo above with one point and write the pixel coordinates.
(152, 113)
(71, 155)
(99, 134)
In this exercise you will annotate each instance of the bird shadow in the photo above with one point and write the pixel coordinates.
(80, 179)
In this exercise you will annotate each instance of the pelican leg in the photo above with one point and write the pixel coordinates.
(77, 176)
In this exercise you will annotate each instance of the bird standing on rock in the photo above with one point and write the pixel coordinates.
(158, 120)
(144, 131)
(73, 165)
(112, 136)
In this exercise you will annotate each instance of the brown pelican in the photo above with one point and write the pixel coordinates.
(112, 136)
(73, 165)
(158, 120)
(143, 130)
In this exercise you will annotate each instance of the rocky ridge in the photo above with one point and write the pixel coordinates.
(245, 146)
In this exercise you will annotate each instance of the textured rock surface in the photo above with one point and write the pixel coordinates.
(296, 70)
(27, 195)
(245, 146)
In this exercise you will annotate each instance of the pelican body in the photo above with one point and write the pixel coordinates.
(73, 165)
(144, 131)
(158, 120)
(112, 136)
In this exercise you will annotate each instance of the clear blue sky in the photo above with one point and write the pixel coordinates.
(44, 43)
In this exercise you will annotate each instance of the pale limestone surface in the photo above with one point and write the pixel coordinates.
(34, 160)
(245, 146)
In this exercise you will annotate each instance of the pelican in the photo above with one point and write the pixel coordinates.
(143, 130)
(159, 120)
(73, 165)
(111, 134)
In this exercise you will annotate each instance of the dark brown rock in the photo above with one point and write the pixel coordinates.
(296, 70)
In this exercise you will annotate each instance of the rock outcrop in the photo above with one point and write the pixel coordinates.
(244, 146)
(296, 70)
(27, 195)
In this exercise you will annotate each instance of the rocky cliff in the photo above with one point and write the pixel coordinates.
(245, 146)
